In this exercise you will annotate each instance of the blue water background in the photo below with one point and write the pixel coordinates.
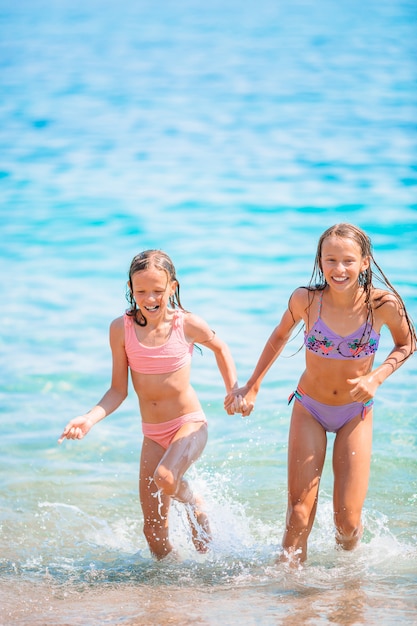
(231, 135)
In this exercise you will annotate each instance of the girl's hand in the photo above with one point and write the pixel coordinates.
(76, 428)
(363, 388)
(234, 404)
(240, 400)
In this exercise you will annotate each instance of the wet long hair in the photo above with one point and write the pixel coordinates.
(366, 279)
(151, 259)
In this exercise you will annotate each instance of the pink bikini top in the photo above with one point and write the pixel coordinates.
(170, 357)
(325, 342)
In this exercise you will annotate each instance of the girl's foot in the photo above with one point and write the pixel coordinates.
(200, 528)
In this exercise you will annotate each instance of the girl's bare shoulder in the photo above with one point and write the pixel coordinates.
(382, 297)
(385, 304)
(302, 298)
(117, 327)
(196, 327)
(197, 330)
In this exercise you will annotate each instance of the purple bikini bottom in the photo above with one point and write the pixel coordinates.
(331, 417)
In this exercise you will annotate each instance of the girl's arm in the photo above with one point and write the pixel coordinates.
(198, 331)
(272, 349)
(391, 313)
(114, 396)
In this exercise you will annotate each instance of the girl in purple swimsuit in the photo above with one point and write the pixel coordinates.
(343, 313)
(155, 339)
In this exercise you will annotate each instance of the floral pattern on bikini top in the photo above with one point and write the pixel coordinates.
(323, 341)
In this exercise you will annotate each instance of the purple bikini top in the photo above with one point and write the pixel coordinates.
(325, 342)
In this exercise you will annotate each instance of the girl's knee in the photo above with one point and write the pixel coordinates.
(347, 522)
(165, 481)
(298, 517)
(173, 486)
(348, 535)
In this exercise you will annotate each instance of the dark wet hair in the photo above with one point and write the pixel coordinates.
(366, 279)
(151, 259)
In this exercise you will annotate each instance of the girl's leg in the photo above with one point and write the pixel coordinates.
(351, 467)
(155, 506)
(185, 449)
(306, 454)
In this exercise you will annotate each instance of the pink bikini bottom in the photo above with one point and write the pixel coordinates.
(164, 432)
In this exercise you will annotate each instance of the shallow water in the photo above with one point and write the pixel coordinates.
(231, 135)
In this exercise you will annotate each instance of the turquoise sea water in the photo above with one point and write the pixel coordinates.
(230, 134)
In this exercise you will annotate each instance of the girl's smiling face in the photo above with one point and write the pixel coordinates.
(342, 262)
(152, 289)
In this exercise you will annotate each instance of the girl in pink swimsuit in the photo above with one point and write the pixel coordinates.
(343, 313)
(154, 339)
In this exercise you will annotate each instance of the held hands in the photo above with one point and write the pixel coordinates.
(363, 388)
(241, 400)
(76, 428)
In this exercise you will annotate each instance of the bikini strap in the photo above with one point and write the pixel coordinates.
(319, 311)
(176, 320)
(320, 303)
